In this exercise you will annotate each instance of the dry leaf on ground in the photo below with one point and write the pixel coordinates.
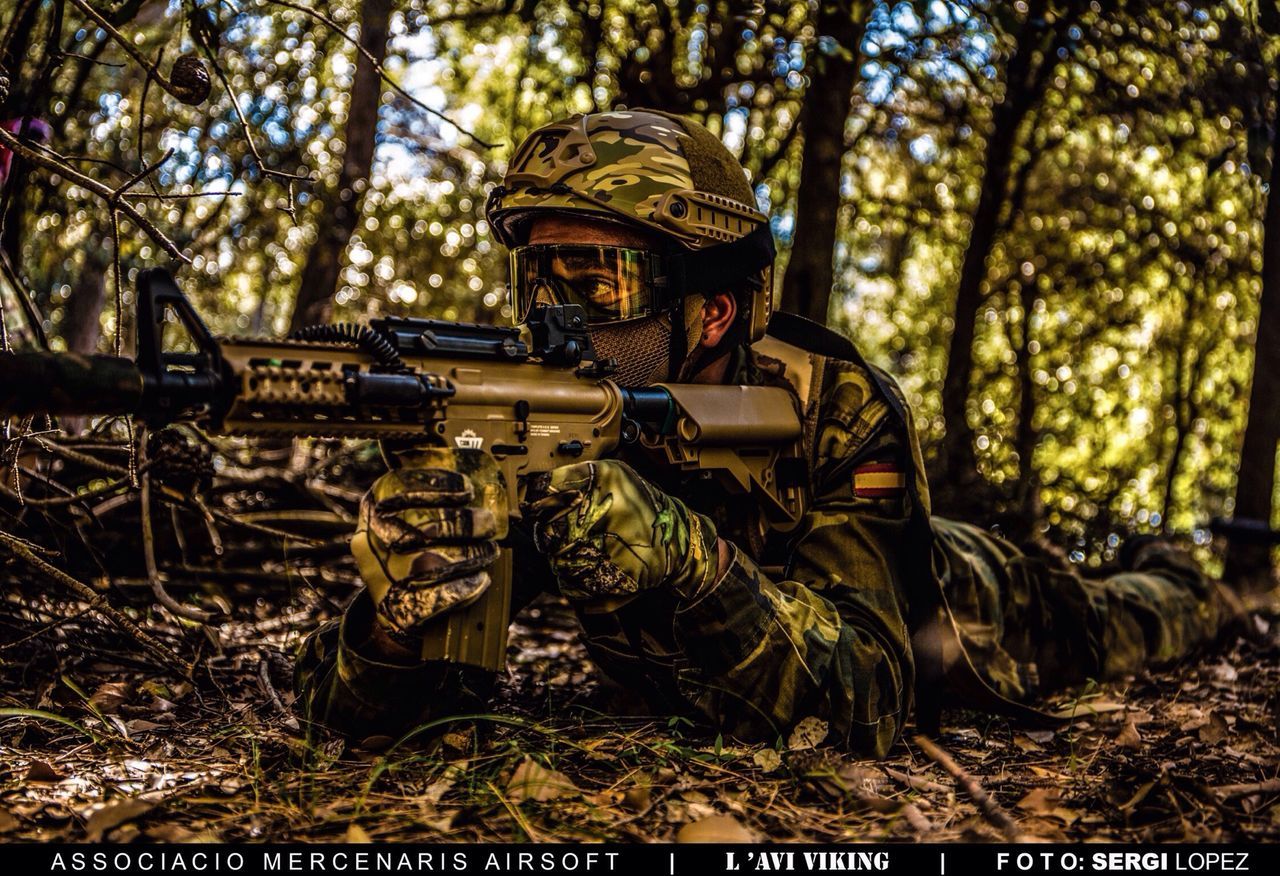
(809, 733)
(715, 829)
(114, 814)
(767, 759)
(1215, 730)
(532, 781)
(39, 771)
(1129, 737)
(110, 696)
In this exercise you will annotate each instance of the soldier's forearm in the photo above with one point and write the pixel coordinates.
(788, 653)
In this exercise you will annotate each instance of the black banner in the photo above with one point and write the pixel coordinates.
(649, 860)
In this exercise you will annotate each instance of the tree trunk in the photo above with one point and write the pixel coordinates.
(806, 288)
(340, 211)
(1026, 73)
(81, 323)
(1027, 493)
(21, 100)
(1249, 566)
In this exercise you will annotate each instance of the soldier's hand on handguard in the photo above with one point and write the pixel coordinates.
(609, 532)
(427, 533)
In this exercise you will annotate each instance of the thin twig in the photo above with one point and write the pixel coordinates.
(147, 170)
(90, 60)
(190, 612)
(987, 805)
(244, 124)
(1270, 786)
(516, 815)
(142, 109)
(82, 458)
(127, 44)
(118, 341)
(163, 196)
(34, 320)
(56, 501)
(231, 519)
(47, 628)
(341, 31)
(88, 159)
(162, 596)
(264, 679)
(18, 548)
(916, 783)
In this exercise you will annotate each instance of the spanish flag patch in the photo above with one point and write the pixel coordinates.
(879, 480)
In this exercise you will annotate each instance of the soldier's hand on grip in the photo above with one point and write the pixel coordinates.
(427, 534)
(609, 532)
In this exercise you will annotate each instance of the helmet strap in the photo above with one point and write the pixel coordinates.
(702, 272)
(678, 348)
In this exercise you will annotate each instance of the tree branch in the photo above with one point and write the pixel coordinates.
(114, 200)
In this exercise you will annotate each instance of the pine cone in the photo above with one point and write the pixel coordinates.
(189, 80)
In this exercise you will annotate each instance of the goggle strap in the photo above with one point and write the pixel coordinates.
(706, 269)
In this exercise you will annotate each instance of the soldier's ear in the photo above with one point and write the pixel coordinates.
(718, 314)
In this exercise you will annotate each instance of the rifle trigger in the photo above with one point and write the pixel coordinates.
(522, 419)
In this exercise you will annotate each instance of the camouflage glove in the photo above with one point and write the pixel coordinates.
(427, 533)
(608, 532)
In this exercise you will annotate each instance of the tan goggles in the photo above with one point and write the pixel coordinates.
(612, 283)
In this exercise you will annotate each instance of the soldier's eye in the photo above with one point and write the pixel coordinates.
(598, 287)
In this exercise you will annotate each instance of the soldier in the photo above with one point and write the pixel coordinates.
(647, 221)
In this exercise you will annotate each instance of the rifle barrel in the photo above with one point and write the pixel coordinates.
(68, 384)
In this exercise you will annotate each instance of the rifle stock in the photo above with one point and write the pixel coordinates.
(529, 401)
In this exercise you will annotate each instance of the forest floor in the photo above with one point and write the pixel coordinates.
(118, 751)
(97, 741)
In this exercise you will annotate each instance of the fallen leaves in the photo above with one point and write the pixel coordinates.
(110, 696)
(115, 813)
(638, 799)
(1214, 730)
(1129, 737)
(1173, 763)
(532, 781)
(767, 759)
(40, 771)
(1026, 743)
(808, 733)
(715, 829)
(1046, 802)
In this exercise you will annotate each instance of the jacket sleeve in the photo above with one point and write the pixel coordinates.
(830, 639)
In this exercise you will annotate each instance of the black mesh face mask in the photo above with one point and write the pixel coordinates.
(641, 347)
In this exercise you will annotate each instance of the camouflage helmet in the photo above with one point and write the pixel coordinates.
(653, 170)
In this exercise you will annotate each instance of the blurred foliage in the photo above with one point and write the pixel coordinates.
(1121, 292)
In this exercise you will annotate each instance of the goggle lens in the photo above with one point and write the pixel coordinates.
(611, 283)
